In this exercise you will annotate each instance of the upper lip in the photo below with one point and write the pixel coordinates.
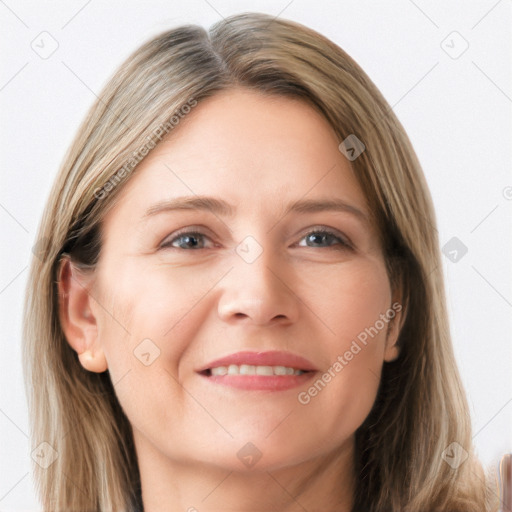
(271, 358)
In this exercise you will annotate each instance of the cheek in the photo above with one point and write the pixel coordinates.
(151, 313)
(149, 316)
(351, 301)
(355, 306)
(342, 397)
(152, 300)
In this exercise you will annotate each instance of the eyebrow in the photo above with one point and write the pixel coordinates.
(221, 207)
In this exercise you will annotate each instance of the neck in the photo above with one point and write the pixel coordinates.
(322, 483)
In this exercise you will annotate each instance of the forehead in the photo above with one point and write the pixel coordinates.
(252, 150)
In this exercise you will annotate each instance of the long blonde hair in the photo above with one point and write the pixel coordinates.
(421, 407)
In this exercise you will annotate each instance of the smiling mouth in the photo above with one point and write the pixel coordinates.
(259, 371)
(257, 378)
(249, 369)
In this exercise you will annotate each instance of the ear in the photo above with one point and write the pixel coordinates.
(77, 319)
(396, 322)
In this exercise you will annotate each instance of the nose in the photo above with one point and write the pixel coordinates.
(259, 293)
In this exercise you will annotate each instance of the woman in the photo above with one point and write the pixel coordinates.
(238, 302)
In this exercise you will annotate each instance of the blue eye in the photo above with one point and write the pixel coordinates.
(190, 240)
(318, 235)
(195, 240)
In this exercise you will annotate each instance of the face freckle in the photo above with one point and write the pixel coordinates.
(265, 280)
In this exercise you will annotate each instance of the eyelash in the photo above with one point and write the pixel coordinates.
(344, 245)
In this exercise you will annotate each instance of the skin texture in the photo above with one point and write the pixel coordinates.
(306, 295)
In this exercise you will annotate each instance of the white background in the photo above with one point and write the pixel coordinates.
(455, 110)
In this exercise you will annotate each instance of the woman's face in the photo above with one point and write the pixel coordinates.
(247, 275)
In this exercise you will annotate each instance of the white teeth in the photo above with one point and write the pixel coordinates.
(220, 370)
(264, 370)
(280, 370)
(249, 369)
(246, 369)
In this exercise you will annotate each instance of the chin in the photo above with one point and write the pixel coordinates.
(260, 452)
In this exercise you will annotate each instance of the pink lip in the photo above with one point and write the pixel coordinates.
(261, 382)
(273, 358)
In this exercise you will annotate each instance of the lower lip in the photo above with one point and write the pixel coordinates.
(261, 382)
